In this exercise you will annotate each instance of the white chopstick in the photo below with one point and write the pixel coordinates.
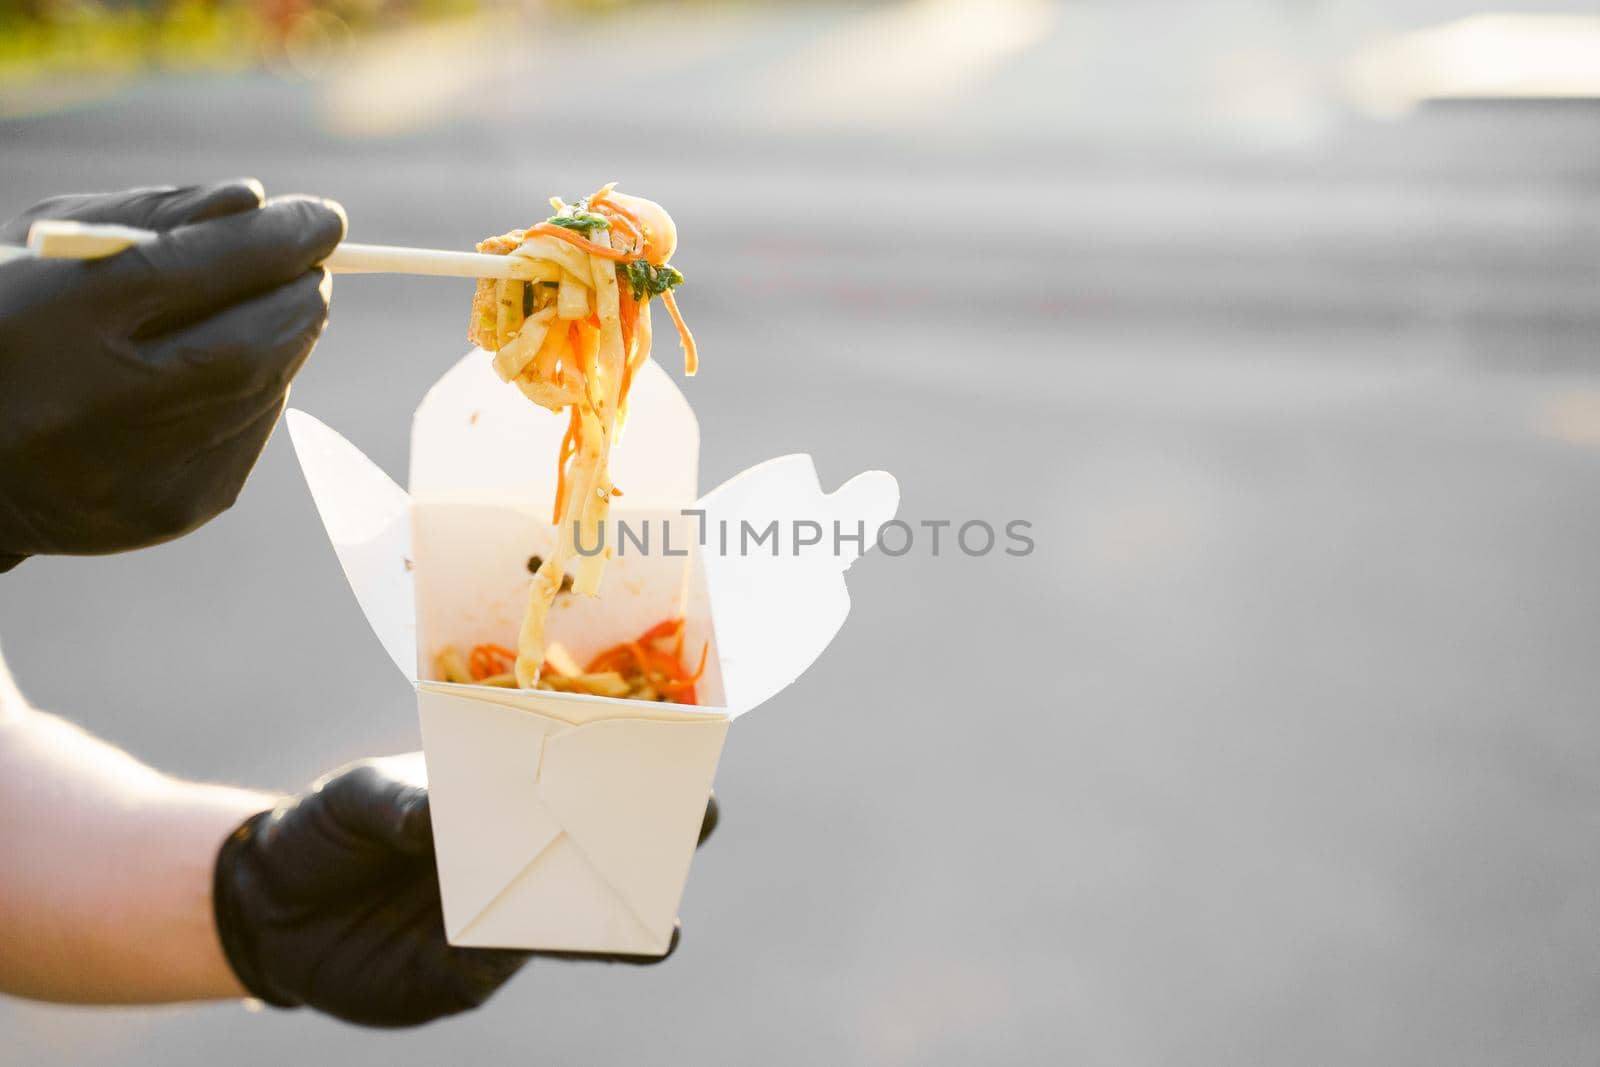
(59, 239)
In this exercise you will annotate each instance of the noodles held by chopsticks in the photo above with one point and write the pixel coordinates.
(571, 341)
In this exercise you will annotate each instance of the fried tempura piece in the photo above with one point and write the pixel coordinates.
(480, 330)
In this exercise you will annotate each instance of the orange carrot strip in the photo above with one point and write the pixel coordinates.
(569, 446)
(691, 356)
(605, 201)
(646, 247)
(665, 628)
(602, 661)
(661, 669)
(623, 222)
(487, 660)
(689, 680)
(686, 689)
(646, 667)
(563, 234)
(628, 312)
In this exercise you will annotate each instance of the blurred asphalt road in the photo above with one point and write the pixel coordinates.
(1282, 748)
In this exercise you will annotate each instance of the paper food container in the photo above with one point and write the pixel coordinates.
(565, 821)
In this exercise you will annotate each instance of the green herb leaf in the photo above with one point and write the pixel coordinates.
(584, 222)
(646, 280)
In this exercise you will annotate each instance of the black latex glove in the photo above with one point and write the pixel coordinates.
(137, 391)
(331, 900)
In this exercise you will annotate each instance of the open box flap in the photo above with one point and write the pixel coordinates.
(775, 605)
(774, 608)
(368, 518)
(473, 432)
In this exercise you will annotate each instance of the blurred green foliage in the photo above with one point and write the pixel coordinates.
(114, 38)
(119, 36)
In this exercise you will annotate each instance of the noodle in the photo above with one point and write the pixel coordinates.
(640, 669)
(571, 340)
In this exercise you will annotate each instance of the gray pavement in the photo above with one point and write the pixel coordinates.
(1282, 747)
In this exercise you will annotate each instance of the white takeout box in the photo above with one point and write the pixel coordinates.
(565, 821)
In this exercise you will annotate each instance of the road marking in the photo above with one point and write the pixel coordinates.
(1496, 55)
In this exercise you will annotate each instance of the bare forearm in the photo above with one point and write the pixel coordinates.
(105, 885)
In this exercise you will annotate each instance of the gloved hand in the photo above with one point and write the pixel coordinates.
(331, 900)
(137, 391)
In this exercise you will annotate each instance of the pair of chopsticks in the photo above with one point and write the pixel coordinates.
(58, 239)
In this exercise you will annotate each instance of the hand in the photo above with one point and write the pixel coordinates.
(331, 900)
(137, 391)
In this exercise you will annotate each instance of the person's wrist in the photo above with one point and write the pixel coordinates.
(234, 871)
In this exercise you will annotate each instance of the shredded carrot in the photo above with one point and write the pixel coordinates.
(605, 661)
(621, 220)
(627, 384)
(642, 658)
(662, 629)
(691, 356)
(573, 238)
(647, 669)
(660, 669)
(686, 686)
(487, 660)
(569, 447)
(628, 312)
(585, 347)
(605, 206)
(602, 201)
